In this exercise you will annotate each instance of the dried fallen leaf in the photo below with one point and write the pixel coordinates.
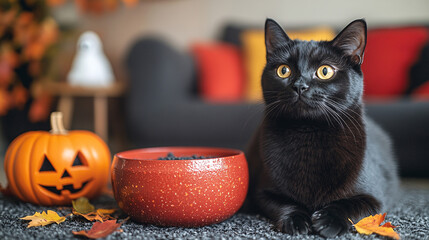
(99, 215)
(82, 205)
(92, 216)
(102, 211)
(42, 219)
(105, 213)
(371, 225)
(388, 224)
(100, 229)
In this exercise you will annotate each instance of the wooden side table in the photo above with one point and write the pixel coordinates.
(67, 93)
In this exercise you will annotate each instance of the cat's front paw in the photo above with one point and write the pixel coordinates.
(294, 223)
(329, 223)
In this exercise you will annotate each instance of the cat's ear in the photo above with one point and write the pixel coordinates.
(274, 36)
(352, 40)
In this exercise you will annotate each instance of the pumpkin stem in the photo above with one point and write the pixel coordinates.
(57, 123)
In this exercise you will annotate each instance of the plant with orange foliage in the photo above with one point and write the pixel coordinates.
(27, 34)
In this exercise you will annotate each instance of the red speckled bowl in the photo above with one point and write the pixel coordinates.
(186, 193)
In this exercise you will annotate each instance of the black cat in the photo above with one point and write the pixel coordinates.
(316, 159)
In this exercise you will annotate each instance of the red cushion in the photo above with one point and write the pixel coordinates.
(220, 69)
(388, 57)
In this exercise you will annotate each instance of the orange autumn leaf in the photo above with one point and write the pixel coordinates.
(100, 229)
(92, 216)
(100, 215)
(371, 225)
(102, 211)
(82, 207)
(42, 219)
(388, 224)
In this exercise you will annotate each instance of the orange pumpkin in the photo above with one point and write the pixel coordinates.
(53, 168)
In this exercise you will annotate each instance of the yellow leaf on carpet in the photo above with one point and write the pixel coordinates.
(371, 225)
(42, 219)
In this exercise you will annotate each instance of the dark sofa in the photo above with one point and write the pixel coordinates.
(163, 109)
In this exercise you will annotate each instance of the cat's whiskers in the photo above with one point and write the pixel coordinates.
(346, 111)
(334, 115)
(326, 115)
(341, 119)
(272, 107)
(331, 110)
(343, 109)
(339, 108)
(278, 107)
(327, 110)
(343, 105)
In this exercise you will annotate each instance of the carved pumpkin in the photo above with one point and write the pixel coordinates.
(53, 168)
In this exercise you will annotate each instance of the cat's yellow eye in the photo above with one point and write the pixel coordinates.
(283, 71)
(325, 72)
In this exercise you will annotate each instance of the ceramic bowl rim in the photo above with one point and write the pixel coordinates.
(230, 153)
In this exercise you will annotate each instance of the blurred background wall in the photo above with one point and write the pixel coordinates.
(184, 21)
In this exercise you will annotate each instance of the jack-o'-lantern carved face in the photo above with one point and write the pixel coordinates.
(64, 179)
(57, 167)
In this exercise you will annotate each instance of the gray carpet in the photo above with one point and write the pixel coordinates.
(411, 215)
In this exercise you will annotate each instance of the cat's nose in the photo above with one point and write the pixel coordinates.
(300, 87)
